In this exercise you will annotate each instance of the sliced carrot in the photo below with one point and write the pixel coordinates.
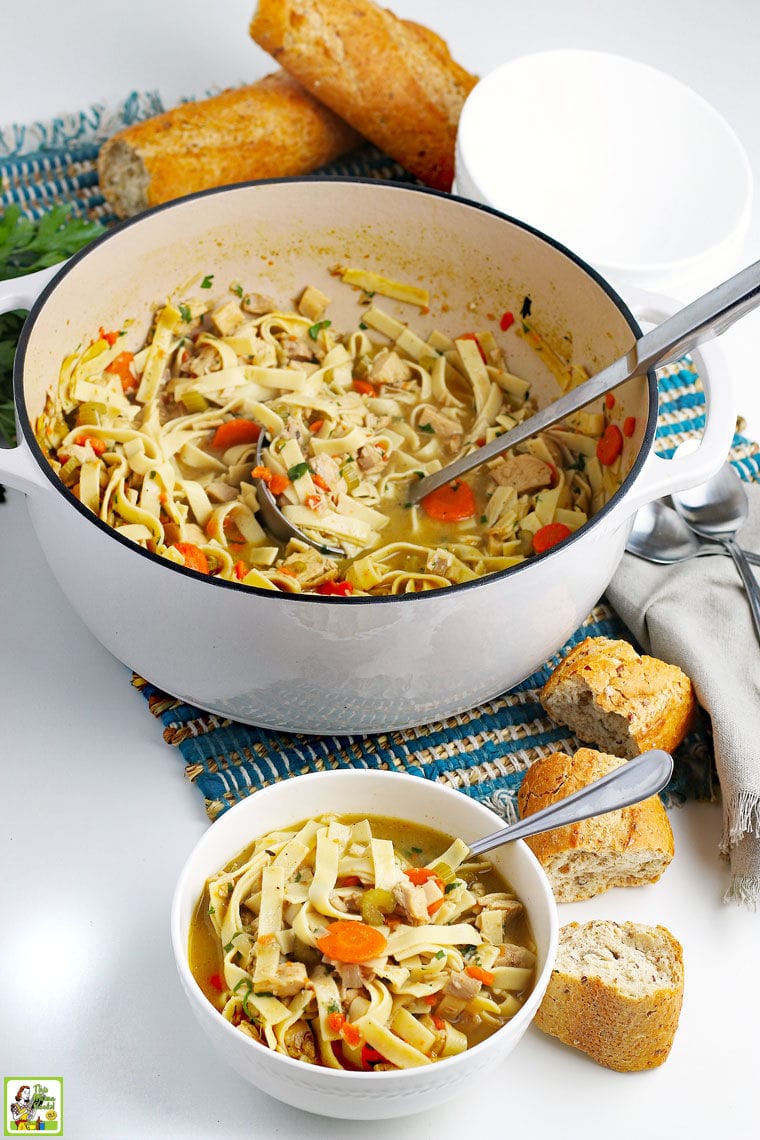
(480, 975)
(111, 337)
(430, 999)
(278, 483)
(97, 445)
(121, 366)
(240, 570)
(610, 445)
(629, 426)
(549, 535)
(438, 1022)
(233, 432)
(349, 881)
(216, 981)
(320, 482)
(315, 425)
(506, 322)
(336, 1021)
(194, 557)
(352, 942)
(419, 875)
(351, 1035)
(434, 906)
(364, 387)
(609, 400)
(450, 503)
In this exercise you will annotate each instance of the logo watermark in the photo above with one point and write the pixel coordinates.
(33, 1104)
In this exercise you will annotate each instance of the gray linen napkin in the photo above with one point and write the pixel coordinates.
(695, 615)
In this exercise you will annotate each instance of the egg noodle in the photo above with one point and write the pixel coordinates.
(160, 444)
(338, 951)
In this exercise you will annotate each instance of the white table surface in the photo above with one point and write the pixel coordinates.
(98, 816)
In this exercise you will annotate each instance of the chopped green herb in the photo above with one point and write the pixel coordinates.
(25, 247)
(297, 471)
(440, 954)
(212, 909)
(238, 290)
(416, 850)
(185, 313)
(207, 281)
(314, 330)
(452, 886)
(427, 428)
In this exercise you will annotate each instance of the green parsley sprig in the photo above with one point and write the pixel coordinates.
(27, 245)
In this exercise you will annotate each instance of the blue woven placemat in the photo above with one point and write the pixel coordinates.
(484, 752)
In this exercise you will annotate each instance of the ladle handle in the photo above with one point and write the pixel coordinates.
(703, 319)
(633, 781)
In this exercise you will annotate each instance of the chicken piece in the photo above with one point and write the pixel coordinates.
(299, 1042)
(219, 492)
(206, 359)
(312, 303)
(310, 567)
(441, 424)
(290, 979)
(461, 986)
(257, 304)
(526, 473)
(439, 562)
(388, 368)
(299, 348)
(412, 900)
(326, 468)
(295, 429)
(512, 955)
(370, 458)
(227, 318)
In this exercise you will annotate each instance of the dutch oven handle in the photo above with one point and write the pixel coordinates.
(18, 467)
(660, 476)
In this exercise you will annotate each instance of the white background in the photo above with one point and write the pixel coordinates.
(97, 815)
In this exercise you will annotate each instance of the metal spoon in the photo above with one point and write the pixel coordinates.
(699, 321)
(660, 535)
(717, 509)
(703, 319)
(633, 781)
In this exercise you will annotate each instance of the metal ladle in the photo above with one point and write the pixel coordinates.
(661, 536)
(633, 781)
(703, 319)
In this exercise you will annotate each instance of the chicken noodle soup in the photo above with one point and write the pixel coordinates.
(362, 943)
(160, 443)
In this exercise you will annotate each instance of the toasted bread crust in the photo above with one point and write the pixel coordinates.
(623, 848)
(592, 1005)
(269, 129)
(393, 80)
(619, 701)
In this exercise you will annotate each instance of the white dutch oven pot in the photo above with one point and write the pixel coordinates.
(311, 663)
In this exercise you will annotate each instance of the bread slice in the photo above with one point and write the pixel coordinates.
(618, 701)
(269, 129)
(615, 993)
(623, 848)
(393, 80)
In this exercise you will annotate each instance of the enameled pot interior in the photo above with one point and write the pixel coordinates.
(278, 237)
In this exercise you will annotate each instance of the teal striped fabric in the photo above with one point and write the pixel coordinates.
(483, 753)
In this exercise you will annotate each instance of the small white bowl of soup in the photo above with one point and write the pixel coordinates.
(344, 952)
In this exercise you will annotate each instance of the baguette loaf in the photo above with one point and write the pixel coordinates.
(615, 993)
(270, 129)
(618, 701)
(393, 80)
(622, 848)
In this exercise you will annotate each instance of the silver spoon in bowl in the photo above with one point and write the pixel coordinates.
(703, 319)
(633, 781)
(716, 510)
(660, 535)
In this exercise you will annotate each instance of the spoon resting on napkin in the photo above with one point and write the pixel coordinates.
(695, 615)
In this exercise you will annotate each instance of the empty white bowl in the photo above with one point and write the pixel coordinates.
(359, 1095)
(624, 164)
